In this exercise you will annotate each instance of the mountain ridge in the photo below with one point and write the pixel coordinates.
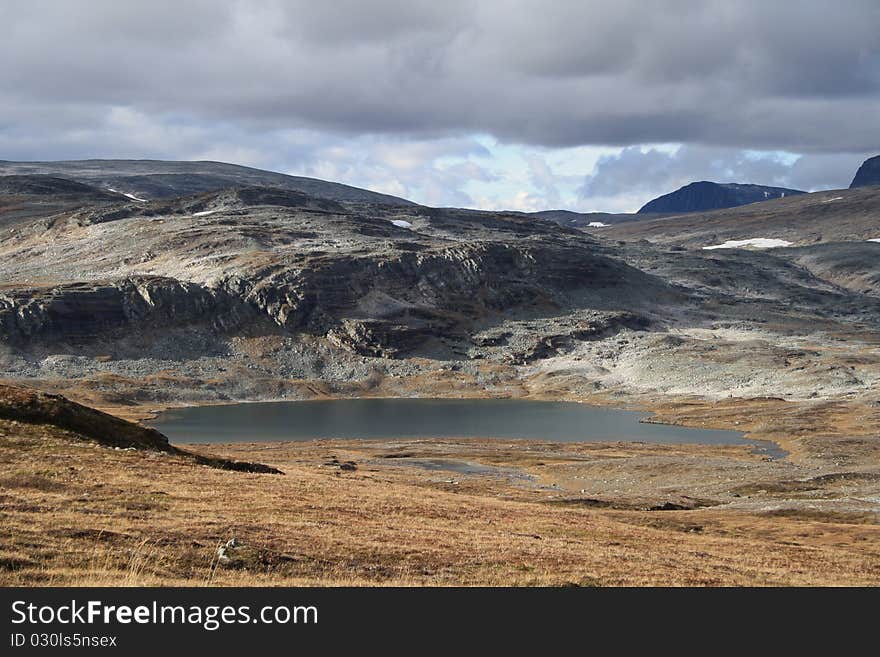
(868, 173)
(158, 179)
(705, 195)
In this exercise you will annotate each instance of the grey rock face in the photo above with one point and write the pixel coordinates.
(87, 310)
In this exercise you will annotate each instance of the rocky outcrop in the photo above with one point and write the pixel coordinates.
(374, 302)
(557, 343)
(524, 342)
(868, 173)
(389, 339)
(86, 310)
(702, 196)
(388, 305)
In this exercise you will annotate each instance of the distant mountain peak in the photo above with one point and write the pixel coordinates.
(868, 173)
(705, 195)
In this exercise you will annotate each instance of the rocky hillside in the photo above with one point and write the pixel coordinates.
(262, 293)
(703, 196)
(831, 216)
(868, 173)
(234, 260)
(157, 179)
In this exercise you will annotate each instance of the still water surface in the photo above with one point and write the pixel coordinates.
(426, 418)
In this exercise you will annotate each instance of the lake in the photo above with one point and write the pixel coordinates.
(428, 418)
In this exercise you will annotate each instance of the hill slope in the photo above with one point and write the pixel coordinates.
(588, 219)
(27, 197)
(43, 185)
(156, 179)
(830, 216)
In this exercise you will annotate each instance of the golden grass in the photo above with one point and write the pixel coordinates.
(74, 513)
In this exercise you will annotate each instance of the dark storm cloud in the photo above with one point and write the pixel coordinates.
(772, 75)
(341, 88)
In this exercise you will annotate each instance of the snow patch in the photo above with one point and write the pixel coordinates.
(836, 198)
(400, 223)
(755, 243)
(131, 196)
(204, 213)
(597, 224)
(874, 239)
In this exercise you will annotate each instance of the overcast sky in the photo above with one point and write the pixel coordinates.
(580, 104)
